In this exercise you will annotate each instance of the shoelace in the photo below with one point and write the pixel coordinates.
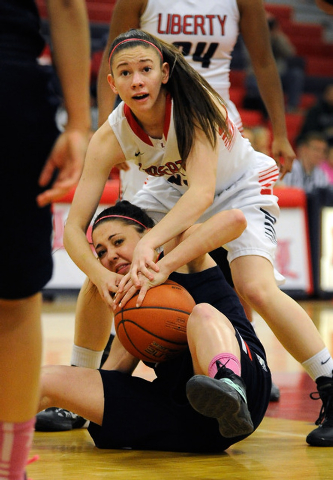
(221, 369)
(32, 460)
(325, 411)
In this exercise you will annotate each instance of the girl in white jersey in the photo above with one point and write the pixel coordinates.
(207, 32)
(176, 127)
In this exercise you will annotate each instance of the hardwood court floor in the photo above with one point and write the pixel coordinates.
(276, 450)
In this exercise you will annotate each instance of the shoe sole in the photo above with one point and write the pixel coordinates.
(54, 425)
(315, 439)
(49, 425)
(220, 401)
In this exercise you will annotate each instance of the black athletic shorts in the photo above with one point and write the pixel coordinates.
(156, 415)
(28, 132)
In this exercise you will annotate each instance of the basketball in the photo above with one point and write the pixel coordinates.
(156, 331)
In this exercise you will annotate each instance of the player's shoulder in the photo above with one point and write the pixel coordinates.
(104, 142)
(117, 114)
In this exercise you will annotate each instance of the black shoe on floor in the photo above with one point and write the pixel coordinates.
(223, 398)
(275, 393)
(58, 420)
(322, 436)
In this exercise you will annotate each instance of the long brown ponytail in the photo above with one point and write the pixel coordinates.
(195, 101)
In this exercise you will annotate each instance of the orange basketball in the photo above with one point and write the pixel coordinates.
(156, 331)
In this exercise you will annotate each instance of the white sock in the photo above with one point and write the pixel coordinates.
(84, 357)
(320, 365)
(113, 329)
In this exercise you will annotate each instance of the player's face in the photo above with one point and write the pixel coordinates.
(114, 243)
(138, 76)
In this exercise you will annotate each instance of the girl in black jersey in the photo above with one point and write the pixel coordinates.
(206, 399)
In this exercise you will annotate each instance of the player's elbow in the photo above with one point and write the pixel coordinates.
(207, 198)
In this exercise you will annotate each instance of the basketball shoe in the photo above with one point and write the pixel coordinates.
(224, 398)
(322, 436)
(58, 420)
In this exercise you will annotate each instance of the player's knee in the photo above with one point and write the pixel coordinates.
(50, 380)
(255, 293)
(204, 322)
(201, 310)
(202, 315)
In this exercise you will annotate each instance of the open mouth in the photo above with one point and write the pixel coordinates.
(141, 96)
(123, 269)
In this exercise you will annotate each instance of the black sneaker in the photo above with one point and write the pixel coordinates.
(322, 436)
(58, 420)
(223, 398)
(275, 393)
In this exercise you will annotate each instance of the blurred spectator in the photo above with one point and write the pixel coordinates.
(306, 172)
(248, 133)
(290, 68)
(327, 165)
(319, 118)
(259, 137)
(262, 139)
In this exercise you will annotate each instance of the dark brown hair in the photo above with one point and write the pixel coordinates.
(195, 101)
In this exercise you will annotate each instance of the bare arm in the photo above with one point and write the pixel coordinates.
(201, 239)
(254, 29)
(71, 44)
(93, 319)
(191, 249)
(126, 15)
(190, 206)
(103, 153)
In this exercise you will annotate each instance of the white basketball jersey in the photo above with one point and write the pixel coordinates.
(161, 158)
(157, 157)
(205, 30)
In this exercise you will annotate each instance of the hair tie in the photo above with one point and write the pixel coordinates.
(134, 40)
(121, 216)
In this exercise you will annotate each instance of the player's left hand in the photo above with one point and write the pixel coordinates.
(143, 263)
(66, 157)
(127, 289)
(283, 154)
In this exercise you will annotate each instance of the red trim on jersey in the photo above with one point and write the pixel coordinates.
(248, 350)
(266, 191)
(270, 174)
(138, 130)
(228, 142)
(267, 179)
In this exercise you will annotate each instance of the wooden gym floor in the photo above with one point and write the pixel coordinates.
(276, 450)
